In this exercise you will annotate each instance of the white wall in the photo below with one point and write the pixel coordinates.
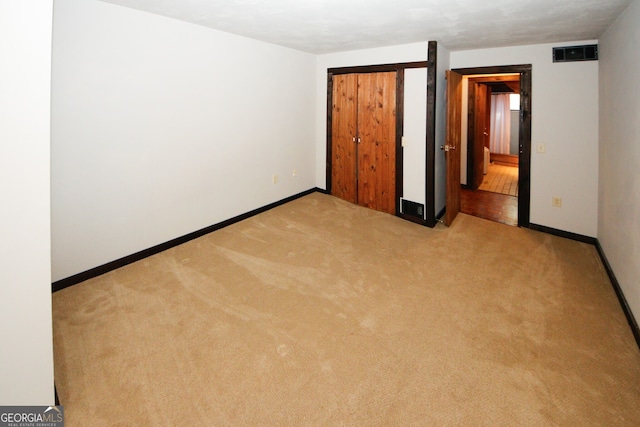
(619, 179)
(161, 128)
(564, 118)
(26, 352)
(387, 55)
(415, 135)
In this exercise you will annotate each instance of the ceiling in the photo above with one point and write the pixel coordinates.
(323, 26)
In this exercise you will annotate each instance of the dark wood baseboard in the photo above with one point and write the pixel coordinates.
(97, 271)
(614, 281)
(105, 268)
(621, 298)
(121, 262)
(565, 234)
(412, 218)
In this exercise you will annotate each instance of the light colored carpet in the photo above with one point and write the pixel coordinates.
(320, 312)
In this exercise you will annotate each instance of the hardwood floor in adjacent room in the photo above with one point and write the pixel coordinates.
(501, 179)
(492, 206)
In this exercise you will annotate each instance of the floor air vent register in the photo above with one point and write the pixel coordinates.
(413, 209)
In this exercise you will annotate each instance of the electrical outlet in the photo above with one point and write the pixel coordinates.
(556, 202)
(294, 173)
(274, 179)
(540, 148)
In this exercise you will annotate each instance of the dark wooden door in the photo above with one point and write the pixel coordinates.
(452, 145)
(343, 137)
(363, 139)
(377, 141)
(482, 119)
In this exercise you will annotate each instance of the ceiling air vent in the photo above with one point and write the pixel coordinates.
(587, 52)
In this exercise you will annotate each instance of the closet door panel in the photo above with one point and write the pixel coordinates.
(376, 125)
(343, 133)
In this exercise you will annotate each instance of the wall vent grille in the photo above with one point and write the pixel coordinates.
(587, 52)
(413, 208)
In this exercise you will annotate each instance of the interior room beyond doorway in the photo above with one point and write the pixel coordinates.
(489, 171)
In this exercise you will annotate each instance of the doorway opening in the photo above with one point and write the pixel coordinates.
(496, 143)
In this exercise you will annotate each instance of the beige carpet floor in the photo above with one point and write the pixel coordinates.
(320, 312)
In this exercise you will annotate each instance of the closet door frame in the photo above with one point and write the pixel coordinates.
(399, 70)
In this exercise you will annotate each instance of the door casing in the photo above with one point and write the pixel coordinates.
(524, 160)
(399, 69)
(364, 139)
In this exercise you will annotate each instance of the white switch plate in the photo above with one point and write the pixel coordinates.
(274, 179)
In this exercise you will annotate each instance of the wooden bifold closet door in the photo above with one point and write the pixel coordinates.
(363, 139)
